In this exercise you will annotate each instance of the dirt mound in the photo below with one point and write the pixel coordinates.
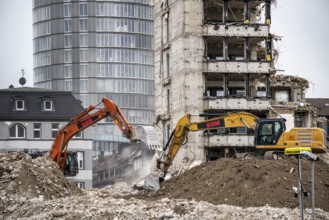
(24, 178)
(249, 183)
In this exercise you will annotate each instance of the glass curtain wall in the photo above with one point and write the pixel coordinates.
(98, 49)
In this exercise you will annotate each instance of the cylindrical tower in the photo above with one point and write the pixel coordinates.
(96, 49)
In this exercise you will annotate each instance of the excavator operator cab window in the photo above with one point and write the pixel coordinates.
(269, 132)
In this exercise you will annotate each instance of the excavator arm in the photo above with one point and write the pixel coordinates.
(58, 151)
(184, 125)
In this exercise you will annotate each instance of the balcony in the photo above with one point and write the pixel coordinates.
(236, 31)
(237, 67)
(215, 103)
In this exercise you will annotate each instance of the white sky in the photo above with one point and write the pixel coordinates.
(304, 49)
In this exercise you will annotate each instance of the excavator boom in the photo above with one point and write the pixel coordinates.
(184, 125)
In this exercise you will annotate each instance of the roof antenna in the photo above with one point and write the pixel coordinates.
(22, 80)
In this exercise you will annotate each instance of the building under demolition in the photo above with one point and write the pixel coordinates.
(214, 57)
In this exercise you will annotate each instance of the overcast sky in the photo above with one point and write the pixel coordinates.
(304, 49)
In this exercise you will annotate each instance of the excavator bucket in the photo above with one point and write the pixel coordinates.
(147, 134)
(152, 183)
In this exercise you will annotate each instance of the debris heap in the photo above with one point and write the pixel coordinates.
(249, 183)
(223, 189)
(23, 178)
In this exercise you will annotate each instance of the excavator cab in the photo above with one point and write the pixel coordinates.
(71, 164)
(268, 131)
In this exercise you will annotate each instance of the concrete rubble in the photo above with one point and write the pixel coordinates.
(36, 189)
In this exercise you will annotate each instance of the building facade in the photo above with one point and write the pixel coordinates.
(96, 49)
(214, 57)
(30, 119)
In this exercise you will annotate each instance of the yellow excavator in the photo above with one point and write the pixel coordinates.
(270, 137)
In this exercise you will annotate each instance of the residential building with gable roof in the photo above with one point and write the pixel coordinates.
(30, 119)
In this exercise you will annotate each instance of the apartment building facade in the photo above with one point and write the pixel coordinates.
(214, 57)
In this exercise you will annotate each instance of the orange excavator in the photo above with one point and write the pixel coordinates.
(68, 160)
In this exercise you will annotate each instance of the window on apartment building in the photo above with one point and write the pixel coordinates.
(261, 91)
(215, 48)
(83, 11)
(282, 95)
(213, 12)
(301, 119)
(83, 99)
(68, 85)
(236, 91)
(83, 25)
(67, 71)
(36, 130)
(17, 131)
(67, 10)
(236, 49)
(80, 185)
(215, 91)
(137, 163)
(20, 105)
(81, 159)
(113, 172)
(67, 40)
(167, 66)
(257, 49)
(48, 105)
(54, 129)
(83, 70)
(168, 100)
(67, 56)
(67, 26)
(166, 30)
(78, 135)
(233, 11)
(84, 55)
(83, 40)
(83, 85)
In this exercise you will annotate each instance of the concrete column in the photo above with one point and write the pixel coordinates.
(268, 94)
(246, 12)
(268, 12)
(268, 42)
(225, 12)
(247, 80)
(225, 81)
(225, 48)
(246, 49)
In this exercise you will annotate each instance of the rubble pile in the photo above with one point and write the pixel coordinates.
(223, 189)
(249, 183)
(109, 204)
(23, 178)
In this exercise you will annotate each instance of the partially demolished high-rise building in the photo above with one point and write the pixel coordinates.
(214, 57)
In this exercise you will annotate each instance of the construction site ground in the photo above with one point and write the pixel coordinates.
(222, 189)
